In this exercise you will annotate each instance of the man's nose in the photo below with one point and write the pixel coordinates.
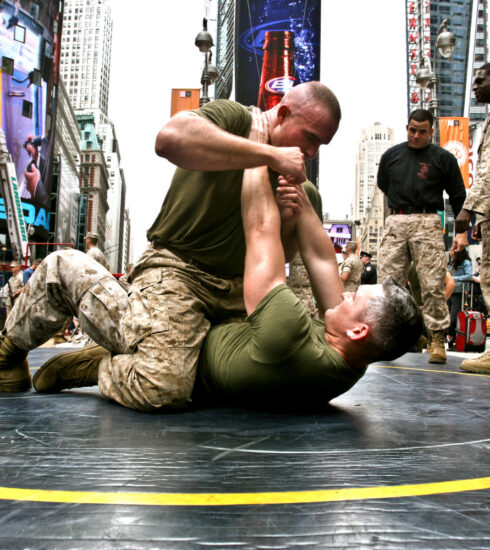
(310, 152)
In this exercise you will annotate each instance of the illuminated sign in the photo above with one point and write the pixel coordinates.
(300, 21)
(29, 45)
(418, 49)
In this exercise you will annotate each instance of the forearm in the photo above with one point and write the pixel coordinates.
(319, 258)
(264, 259)
(289, 240)
(194, 143)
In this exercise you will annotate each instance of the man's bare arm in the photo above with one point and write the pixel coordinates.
(315, 247)
(194, 143)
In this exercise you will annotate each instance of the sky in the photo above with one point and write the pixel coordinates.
(362, 61)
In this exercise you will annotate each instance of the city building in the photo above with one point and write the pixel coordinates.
(371, 229)
(116, 198)
(94, 185)
(468, 22)
(225, 48)
(85, 59)
(85, 63)
(65, 190)
(375, 140)
(29, 38)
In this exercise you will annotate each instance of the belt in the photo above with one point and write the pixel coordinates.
(413, 210)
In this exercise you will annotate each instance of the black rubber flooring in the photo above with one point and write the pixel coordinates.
(400, 461)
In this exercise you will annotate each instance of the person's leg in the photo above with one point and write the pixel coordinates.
(481, 364)
(165, 326)
(66, 283)
(393, 257)
(69, 283)
(454, 304)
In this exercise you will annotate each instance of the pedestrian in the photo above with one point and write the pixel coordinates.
(15, 285)
(478, 203)
(190, 276)
(478, 302)
(30, 270)
(369, 275)
(413, 175)
(462, 272)
(91, 248)
(351, 268)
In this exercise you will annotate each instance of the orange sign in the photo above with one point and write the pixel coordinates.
(455, 138)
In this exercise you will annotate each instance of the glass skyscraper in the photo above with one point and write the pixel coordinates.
(467, 21)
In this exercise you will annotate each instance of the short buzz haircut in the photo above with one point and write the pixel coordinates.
(485, 68)
(421, 115)
(395, 323)
(321, 94)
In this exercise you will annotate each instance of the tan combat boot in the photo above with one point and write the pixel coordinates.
(480, 365)
(14, 368)
(71, 369)
(437, 349)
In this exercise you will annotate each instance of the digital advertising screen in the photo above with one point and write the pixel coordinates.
(29, 49)
(278, 47)
(340, 234)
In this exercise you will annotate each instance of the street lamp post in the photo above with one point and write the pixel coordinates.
(426, 78)
(204, 41)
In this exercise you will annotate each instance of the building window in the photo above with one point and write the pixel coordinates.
(20, 34)
(34, 11)
(26, 109)
(7, 65)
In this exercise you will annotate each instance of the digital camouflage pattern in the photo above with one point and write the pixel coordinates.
(354, 265)
(153, 334)
(15, 283)
(417, 237)
(97, 255)
(478, 195)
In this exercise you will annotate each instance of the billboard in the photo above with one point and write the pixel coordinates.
(29, 48)
(290, 33)
(455, 138)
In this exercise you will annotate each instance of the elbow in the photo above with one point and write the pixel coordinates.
(170, 138)
(165, 142)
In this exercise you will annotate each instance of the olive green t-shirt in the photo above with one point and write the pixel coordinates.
(200, 217)
(279, 355)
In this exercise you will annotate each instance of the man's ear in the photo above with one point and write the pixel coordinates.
(359, 332)
(283, 112)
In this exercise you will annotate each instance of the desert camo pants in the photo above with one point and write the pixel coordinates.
(153, 334)
(485, 263)
(417, 238)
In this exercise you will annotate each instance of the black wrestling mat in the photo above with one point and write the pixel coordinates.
(400, 461)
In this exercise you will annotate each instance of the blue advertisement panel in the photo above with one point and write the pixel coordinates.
(29, 48)
(278, 46)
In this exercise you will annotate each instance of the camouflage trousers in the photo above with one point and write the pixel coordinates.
(417, 238)
(485, 263)
(153, 334)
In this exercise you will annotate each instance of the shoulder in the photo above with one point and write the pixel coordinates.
(395, 149)
(226, 114)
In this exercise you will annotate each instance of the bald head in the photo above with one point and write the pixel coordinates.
(307, 116)
(314, 92)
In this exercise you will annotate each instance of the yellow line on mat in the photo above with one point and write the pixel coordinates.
(228, 499)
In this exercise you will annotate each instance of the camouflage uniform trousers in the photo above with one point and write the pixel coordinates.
(417, 237)
(153, 334)
(485, 263)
